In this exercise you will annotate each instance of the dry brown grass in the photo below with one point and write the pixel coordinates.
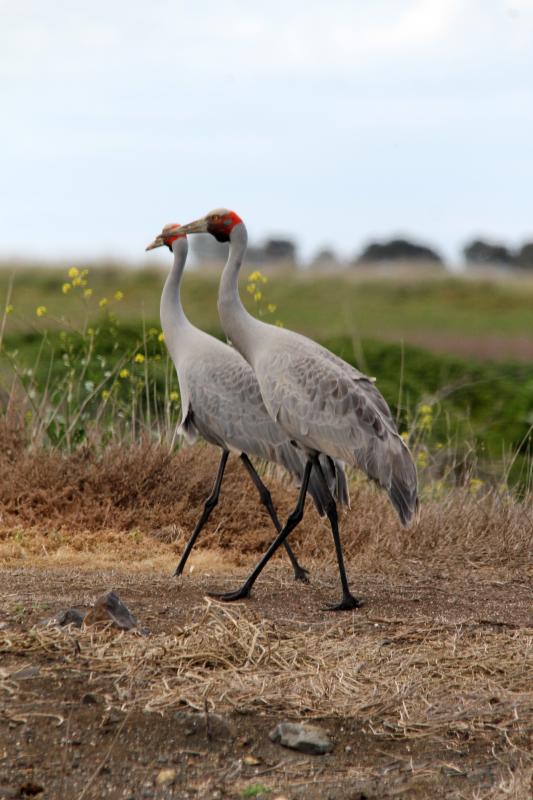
(441, 682)
(146, 499)
(437, 661)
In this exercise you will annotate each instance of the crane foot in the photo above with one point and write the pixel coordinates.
(301, 574)
(228, 597)
(348, 603)
(178, 572)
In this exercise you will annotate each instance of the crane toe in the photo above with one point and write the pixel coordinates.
(228, 597)
(301, 574)
(348, 603)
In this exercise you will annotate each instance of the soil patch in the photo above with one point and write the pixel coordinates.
(426, 690)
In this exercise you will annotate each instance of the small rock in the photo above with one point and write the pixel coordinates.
(305, 738)
(72, 616)
(166, 777)
(25, 673)
(251, 761)
(109, 607)
(30, 789)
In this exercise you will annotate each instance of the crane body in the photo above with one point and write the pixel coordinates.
(222, 403)
(324, 405)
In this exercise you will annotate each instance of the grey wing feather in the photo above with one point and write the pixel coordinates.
(320, 403)
(228, 411)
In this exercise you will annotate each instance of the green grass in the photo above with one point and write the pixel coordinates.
(481, 411)
(317, 306)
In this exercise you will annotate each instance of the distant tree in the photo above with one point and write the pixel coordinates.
(398, 249)
(524, 257)
(325, 258)
(480, 252)
(280, 250)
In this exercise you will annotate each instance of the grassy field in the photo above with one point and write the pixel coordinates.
(481, 409)
(424, 690)
(444, 310)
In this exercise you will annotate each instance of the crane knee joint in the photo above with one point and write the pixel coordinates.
(211, 502)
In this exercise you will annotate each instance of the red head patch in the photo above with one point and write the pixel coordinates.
(221, 222)
(169, 235)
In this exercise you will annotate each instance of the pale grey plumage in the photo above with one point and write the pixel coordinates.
(330, 407)
(221, 399)
(320, 401)
(326, 406)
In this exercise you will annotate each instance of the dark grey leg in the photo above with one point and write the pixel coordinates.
(210, 503)
(348, 600)
(300, 574)
(294, 518)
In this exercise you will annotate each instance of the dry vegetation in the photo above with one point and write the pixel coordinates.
(429, 686)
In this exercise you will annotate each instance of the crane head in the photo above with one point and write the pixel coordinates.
(219, 223)
(168, 235)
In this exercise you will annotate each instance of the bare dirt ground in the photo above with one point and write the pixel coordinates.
(427, 690)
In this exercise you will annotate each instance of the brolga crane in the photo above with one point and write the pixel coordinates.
(221, 402)
(325, 405)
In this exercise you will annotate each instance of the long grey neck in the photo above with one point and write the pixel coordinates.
(243, 330)
(175, 324)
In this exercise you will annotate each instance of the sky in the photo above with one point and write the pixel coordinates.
(333, 123)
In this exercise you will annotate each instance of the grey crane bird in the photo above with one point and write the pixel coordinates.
(325, 405)
(221, 402)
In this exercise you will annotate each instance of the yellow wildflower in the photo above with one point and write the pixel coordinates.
(87, 292)
(405, 436)
(254, 276)
(139, 358)
(425, 422)
(103, 302)
(40, 311)
(422, 459)
(152, 332)
(161, 337)
(475, 485)
(124, 373)
(119, 295)
(9, 308)
(66, 288)
(73, 272)
(105, 394)
(279, 323)
(258, 296)
(251, 288)
(425, 410)
(174, 396)
(77, 281)
(264, 279)
(271, 307)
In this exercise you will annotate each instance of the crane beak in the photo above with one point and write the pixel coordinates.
(158, 242)
(198, 226)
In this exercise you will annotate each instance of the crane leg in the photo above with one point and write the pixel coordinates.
(300, 574)
(294, 518)
(348, 600)
(209, 505)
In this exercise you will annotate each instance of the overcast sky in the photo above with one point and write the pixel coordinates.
(333, 122)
